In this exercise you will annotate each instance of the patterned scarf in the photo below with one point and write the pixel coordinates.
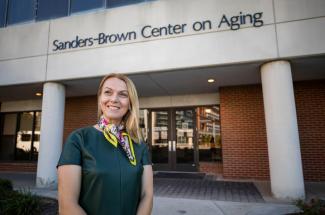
(115, 135)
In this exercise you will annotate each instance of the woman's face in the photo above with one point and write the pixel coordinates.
(114, 100)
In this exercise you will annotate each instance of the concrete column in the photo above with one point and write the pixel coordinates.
(52, 123)
(287, 181)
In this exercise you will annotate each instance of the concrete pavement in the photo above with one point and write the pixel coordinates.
(177, 205)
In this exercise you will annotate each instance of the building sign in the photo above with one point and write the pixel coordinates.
(150, 32)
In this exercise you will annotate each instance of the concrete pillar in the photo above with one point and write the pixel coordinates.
(52, 123)
(287, 181)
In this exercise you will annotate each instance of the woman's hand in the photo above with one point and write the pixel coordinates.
(145, 206)
(69, 189)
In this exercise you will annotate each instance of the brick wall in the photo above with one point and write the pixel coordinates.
(310, 105)
(243, 133)
(79, 112)
(211, 167)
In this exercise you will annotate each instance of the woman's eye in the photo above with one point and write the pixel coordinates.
(124, 95)
(107, 92)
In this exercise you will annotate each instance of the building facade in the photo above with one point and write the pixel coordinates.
(236, 88)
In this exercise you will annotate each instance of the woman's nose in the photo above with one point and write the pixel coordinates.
(114, 97)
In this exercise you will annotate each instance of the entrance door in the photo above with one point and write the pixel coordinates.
(173, 139)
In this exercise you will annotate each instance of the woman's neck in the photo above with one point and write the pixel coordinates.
(112, 121)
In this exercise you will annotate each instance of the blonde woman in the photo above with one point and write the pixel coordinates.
(105, 169)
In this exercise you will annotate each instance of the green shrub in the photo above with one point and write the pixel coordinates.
(314, 207)
(5, 190)
(5, 184)
(20, 203)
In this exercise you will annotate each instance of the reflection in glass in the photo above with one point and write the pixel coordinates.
(36, 138)
(7, 139)
(117, 3)
(49, 9)
(3, 12)
(20, 141)
(82, 5)
(184, 136)
(209, 141)
(24, 136)
(143, 123)
(21, 11)
(159, 136)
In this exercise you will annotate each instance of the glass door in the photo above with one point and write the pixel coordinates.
(160, 139)
(184, 147)
(172, 139)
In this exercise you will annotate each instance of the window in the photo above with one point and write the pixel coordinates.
(8, 136)
(48, 9)
(143, 124)
(82, 5)
(209, 137)
(117, 3)
(21, 11)
(19, 136)
(24, 136)
(3, 12)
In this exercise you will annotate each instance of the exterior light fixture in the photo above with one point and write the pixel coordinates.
(210, 80)
(38, 94)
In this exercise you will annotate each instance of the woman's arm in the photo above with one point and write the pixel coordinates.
(145, 206)
(69, 189)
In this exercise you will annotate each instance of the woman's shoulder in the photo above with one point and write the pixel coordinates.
(141, 145)
(83, 131)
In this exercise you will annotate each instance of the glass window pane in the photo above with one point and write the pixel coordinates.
(20, 11)
(184, 120)
(82, 5)
(37, 133)
(209, 139)
(8, 136)
(159, 136)
(117, 3)
(24, 136)
(144, 124)
(3, 12)
(48, 9)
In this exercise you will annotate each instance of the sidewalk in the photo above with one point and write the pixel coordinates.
(176, 206)
(195, 204)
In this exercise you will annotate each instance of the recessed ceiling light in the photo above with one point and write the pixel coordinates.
(38, 94)
(208, 110)
(210, 80)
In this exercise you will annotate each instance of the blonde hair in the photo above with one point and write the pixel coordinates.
(131, 118)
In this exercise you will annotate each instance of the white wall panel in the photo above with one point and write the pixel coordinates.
(287, 10)
(179, 100)
(24, 40)
(248, 44)
(24, 70)
(157, 14)
(302, 37)
(25, 105)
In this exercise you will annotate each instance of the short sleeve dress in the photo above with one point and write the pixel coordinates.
(109, 184)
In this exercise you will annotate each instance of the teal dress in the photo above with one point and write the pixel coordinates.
(110, 185)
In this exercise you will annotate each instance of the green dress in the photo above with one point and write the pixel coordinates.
(110, 185)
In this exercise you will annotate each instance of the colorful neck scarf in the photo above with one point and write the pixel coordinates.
(115, 135)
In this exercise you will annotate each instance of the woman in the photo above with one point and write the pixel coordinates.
(104, 169)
